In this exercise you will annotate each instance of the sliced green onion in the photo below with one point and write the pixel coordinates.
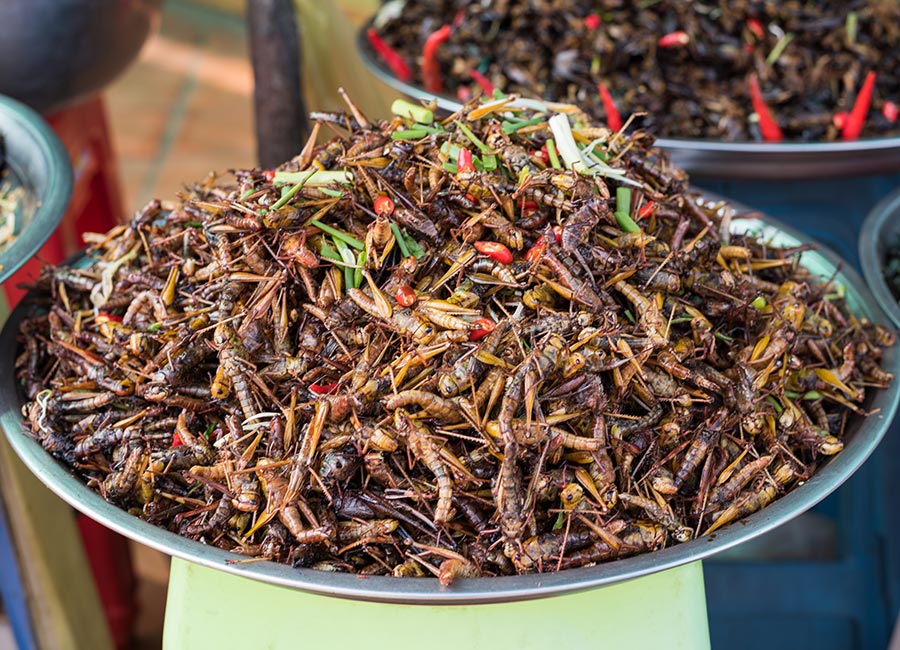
(782, 43)
(154, 327)
(404, 249)
(723, 337)
(489, 161)
(416, 133)
(623, 210)
(551, 152)
(326, 251)
(330, 192)
(472, 137)
(509, 127)
(451, 167)
(194, 224)
(576, 159)
(450, 150)
(414, 112)
(357, 272)
(348, 258)
(291, 193)
(791, 394)
(852, 26)
(209, 429)
(498, 94)
(759, 302)
(247, 193)
(338, 234)
(629, 316)
(523, 174)
(413, 246)
(813, 395)
(774, 402)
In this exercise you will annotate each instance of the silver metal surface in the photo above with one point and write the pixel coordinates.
(39, 164)
(724, 160)
(863, 435)
(880, 230)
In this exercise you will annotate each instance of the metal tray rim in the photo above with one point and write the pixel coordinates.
(478, 590)
(873, 240)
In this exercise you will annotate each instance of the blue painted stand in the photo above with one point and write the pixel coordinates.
(851, 602)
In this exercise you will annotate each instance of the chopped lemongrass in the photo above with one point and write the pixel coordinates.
(314, 177)
(414, 112)
(551, 153)
(401, 242)
(338, 234)
(776, 52)
(576, 159)
(623, 210)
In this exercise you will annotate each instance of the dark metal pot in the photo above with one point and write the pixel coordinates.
(54, 52)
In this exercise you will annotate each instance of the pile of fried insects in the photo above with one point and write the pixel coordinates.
(819, 70)
(506, 341)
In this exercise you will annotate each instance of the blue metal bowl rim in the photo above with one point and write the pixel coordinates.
(863, 438)
(874, 238)
(51, 203)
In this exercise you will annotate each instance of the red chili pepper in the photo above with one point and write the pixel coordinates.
(756, 27)
(463, 93)
(176, 440)
(459, 17)
(769, 128)
(647, 210)
(592, 21)
(389, 55)
(494, 250)
(890, 112)
(471, 198)
(613, 118)
(557, 230)
(486, 86)
(109, 317)
(323, 389)
(383, 205)
(464, 161)
(840, 119)
(857, 119)
(269, 175)
(749, 47)
(405, 296)
(534, 253)
(542, 155)
(483, 327)
(431, 69)
(528, 207)
(674, 39)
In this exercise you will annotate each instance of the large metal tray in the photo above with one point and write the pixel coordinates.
(880, 230)
(37, 162)
(731, 160)
(863, 436)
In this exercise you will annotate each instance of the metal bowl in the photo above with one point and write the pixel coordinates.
(37, 162)
(862, 437)
(733, 160)
(881, 229)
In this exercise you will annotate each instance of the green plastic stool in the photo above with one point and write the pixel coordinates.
(212, 609)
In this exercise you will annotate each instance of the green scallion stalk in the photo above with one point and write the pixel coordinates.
(291, 193)
(780, 46)
(338, 234)
(404, 249)
(774, 402)
(328, 252)
(416, 133)
(348, 258)
(472, 137)
(509, 127)
(337, 194)
(852, 26)
(623, 210)
(813, 395)
(489, 161)
(358, 271)
(451, 167)
(413, 246)
(412, 111)
(554, 157)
